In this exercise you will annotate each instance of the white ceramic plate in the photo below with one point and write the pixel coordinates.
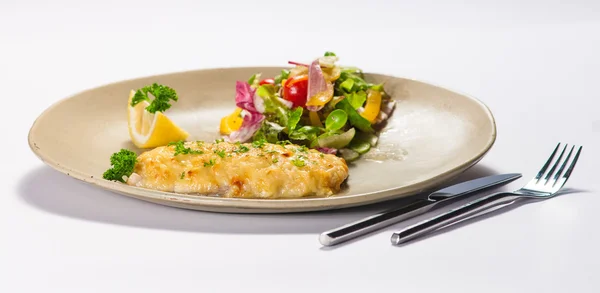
(433, 135)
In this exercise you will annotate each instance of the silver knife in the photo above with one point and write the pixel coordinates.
(386, 218)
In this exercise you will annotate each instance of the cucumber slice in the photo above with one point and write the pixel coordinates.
(367, 137)
(360, 147)
(337, 141)
(349, 155)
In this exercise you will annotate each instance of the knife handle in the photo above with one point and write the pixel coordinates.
(374, 222)
(453, 216)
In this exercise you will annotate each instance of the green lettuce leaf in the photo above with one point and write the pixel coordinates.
(293, 118)
(269, 132)
(357, 99)
(354, 117)
(309, 133)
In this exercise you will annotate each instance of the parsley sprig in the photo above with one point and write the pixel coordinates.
(122, 164)
(162, 97)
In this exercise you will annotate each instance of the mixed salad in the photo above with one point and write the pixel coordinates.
(320, 105)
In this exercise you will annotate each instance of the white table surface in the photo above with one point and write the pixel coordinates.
(536, 64)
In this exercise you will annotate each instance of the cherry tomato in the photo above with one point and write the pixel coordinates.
(267, 81)
(295, 90)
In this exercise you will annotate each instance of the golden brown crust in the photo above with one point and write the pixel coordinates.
(245, 171)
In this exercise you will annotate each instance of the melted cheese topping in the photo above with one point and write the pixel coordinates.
(246, 171)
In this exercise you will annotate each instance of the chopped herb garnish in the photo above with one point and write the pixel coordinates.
(181, 149)
(182, 175)
(261, 155)
(259, 143)
(122, 164)
(221, 153)
(303, 149)
(199, 143)
(209, 163)
(298, 163)
(271, 152)
(162, 96)
(242, 149)
(275, 160)
(219, 140)
(322, 155)
(284, 142)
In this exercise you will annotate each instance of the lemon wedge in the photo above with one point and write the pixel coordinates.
(148, 130)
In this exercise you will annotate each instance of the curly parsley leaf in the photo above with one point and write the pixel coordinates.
(162, 97)
(210, 163)
(122, 164)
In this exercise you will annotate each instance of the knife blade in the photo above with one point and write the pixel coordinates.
(434, 199)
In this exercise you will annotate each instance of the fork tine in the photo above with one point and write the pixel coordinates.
(564, 165)
(543, 170)
(556, 163)
(567, 174)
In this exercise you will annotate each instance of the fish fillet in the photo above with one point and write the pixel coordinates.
(241, 171)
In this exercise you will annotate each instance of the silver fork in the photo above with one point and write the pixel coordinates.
(540, 187)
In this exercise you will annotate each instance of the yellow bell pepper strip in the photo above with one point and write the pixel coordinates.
(314, 119)
(321, 98)
(231, 122)
(373, 105)
(332, 74)
(320, 91)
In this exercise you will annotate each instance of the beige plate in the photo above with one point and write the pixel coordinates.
(434, 135)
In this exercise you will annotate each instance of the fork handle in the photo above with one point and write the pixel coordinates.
(465, 211)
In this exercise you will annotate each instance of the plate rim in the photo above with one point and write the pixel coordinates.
(251, 205)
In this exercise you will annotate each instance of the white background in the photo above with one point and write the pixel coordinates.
(536, 64)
